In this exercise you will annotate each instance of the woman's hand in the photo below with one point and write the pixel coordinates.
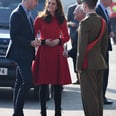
(51, 42)
(65, 53)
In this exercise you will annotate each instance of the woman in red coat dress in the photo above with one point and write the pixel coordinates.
(50, 66)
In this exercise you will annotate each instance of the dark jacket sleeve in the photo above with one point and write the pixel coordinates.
(100, 13)
(17, 30)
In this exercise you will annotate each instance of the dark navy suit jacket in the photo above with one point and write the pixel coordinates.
(70, 17)
(100, 12)
(21, 35)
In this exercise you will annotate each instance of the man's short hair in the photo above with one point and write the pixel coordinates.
(91, 3)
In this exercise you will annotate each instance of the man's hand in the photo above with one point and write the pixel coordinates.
(112, 34)
(79, 71)
(35, 43)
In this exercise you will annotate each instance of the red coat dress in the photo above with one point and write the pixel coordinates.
(50, 66)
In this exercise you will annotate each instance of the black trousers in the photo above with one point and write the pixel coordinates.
(113, 23)
(106, 75)
(22, 86)
(57, 96)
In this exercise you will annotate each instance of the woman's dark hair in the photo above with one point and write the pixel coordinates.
(47, 17)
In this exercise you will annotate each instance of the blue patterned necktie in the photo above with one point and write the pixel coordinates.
(30, 21)
(107, 16)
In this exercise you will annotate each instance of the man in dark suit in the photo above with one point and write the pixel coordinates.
(92, 35)
(78, 15)
(73, 26)
(102, 11)
(22, 51)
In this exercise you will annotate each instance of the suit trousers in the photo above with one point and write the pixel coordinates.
(91, 82)
(22, 86)
(113, 23)
(106, 75)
